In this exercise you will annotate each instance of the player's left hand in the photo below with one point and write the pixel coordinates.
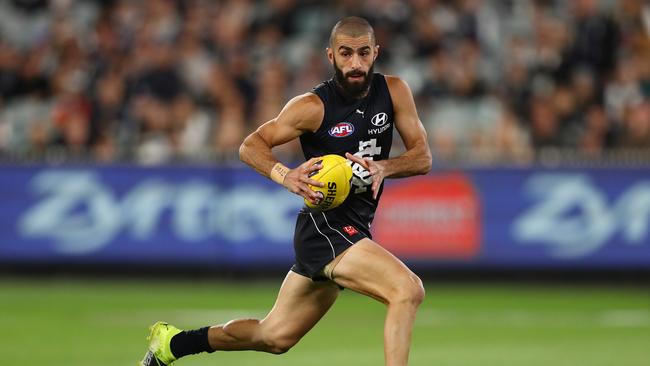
(375, 168)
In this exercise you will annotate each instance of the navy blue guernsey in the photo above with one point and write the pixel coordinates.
(362, 127)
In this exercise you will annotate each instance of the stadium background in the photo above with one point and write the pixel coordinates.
(123, 201)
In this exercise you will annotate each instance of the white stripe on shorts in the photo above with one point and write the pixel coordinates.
(328, 224)
(328, 239)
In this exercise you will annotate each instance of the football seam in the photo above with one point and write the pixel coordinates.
(323, 172)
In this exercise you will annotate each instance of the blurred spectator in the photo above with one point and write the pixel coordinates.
(545, 124)
(623, 91)
(157, 81)
(597, 133)
(191, 129)
(636, 127)
(596, 39)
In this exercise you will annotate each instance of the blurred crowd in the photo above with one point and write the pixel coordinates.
(160, 81)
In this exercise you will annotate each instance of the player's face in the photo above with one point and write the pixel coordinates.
(353, 59)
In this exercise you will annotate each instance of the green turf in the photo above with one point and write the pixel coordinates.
(104, 323)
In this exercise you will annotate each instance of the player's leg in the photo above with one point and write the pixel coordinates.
(298, 307)
(369, 269)
(300, 304)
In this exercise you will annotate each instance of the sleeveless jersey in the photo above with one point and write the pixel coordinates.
(362, 127)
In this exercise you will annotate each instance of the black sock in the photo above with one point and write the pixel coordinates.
(190, 342)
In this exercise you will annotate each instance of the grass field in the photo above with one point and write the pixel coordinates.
(104, 323)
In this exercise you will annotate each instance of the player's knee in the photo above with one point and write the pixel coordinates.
(410, 291)
(419, 292)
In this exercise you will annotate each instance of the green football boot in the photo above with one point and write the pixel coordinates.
(159, 353)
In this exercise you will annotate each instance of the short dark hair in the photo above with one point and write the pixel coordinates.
(353, 27)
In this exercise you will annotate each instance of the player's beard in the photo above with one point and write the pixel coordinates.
(354, 90)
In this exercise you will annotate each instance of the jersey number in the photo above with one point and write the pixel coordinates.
(361, 178)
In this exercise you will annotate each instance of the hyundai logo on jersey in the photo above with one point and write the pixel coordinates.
(379, 119)
(342, 129)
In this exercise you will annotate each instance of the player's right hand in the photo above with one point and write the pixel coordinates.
(297, 180)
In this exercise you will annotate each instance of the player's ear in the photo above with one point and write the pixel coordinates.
(376, 52)
(330, 55)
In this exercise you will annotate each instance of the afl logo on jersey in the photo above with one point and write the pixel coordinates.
(379, 119)
(342, 129)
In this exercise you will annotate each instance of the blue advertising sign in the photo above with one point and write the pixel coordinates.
(592, 218)
(141, 215)
(231, 216)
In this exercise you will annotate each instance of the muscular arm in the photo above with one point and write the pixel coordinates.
(302, 113)
(417, 157)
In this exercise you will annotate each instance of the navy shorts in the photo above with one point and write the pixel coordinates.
(319, 238)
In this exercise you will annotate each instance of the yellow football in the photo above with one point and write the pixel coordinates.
(336, 173)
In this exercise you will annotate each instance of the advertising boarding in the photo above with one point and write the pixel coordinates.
(231, 216)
